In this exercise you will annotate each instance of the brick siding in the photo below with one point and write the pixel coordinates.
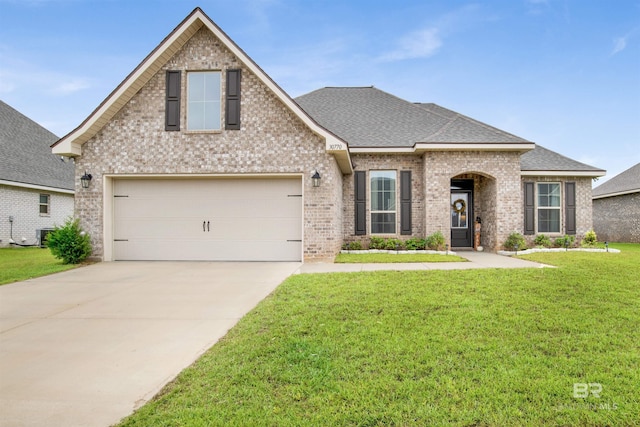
(272, 140)
(23, 204)
(583, 204)
(617, 219)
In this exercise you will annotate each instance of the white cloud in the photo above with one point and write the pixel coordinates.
(71, 86)
(418, 44)
(619, 44)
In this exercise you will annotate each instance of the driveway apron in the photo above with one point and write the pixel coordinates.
(88, 346)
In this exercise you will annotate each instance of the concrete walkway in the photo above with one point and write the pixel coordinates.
(475, 260)
(87, 346)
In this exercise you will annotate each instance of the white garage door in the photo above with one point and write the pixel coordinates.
(208, 219)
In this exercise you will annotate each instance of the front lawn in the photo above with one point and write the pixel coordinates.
(344, 258)
(491, 347)
(26, 263)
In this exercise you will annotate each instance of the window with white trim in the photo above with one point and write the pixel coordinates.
(383, 202)
(204, 100)
(45, 200)
(548, 206)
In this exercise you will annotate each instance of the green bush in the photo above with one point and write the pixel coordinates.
(376, 243)
(590, 239)
(542, 240)
(352, 246)
(69, 243)
(515, 241)
(435, 241)
(564, 241)
(415, 244)
(393, 244)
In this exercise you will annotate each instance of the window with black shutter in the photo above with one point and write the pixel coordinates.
(232, 121)
(172, 106)
(405, 202)
(360, 190)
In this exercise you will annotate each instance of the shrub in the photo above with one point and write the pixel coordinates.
(542, 240)
(564, 241)
(376, 243)
(69, 242)
(590, 239)
(352, 246)
(515, 240)
(393, 244)
(415, 244)
(435, 241)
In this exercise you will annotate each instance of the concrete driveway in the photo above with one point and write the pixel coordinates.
(88, 346)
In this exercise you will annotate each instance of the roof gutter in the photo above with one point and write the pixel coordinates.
(590, 174)
(619, 193)
(422, 147)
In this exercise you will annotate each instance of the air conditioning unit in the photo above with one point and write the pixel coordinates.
(41, 235)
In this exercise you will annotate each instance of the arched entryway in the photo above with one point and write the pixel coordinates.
(473, 199)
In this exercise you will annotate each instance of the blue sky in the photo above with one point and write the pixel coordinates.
(561, 73)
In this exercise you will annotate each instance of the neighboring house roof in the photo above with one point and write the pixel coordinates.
(626, 182)
(544, 161)
(25, 157)
(367, 117)
(71, 144)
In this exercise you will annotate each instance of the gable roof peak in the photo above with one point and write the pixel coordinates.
(71, 144)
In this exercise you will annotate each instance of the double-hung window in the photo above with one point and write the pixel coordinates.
(44, 204)
(383, 202)
(549, 207)
(203, 100)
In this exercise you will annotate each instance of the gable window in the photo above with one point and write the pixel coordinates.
(383, 202)
(548, 207)
(203, 100)
(44, 204)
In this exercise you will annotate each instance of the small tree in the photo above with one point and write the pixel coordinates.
(69, 242)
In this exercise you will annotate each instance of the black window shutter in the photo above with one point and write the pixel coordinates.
(529, 208)
(405, 202)
(232, 121)
(570, 207)
(172, 107)
(360, 188)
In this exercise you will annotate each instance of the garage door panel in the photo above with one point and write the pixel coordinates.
(258, 229)
(249, 219)
(159, 228)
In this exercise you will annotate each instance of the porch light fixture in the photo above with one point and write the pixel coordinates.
(315, 178)
(85, 179)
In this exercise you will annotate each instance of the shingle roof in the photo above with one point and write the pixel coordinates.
(625, 182)
(25, 153)
(369, 117)
(543, 159)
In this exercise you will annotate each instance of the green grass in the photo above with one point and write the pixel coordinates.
(395, 258)
(26, 263)
(467, 347)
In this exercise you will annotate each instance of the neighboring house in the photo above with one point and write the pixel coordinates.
(36, 186)
(616, 207)
(199, 155)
